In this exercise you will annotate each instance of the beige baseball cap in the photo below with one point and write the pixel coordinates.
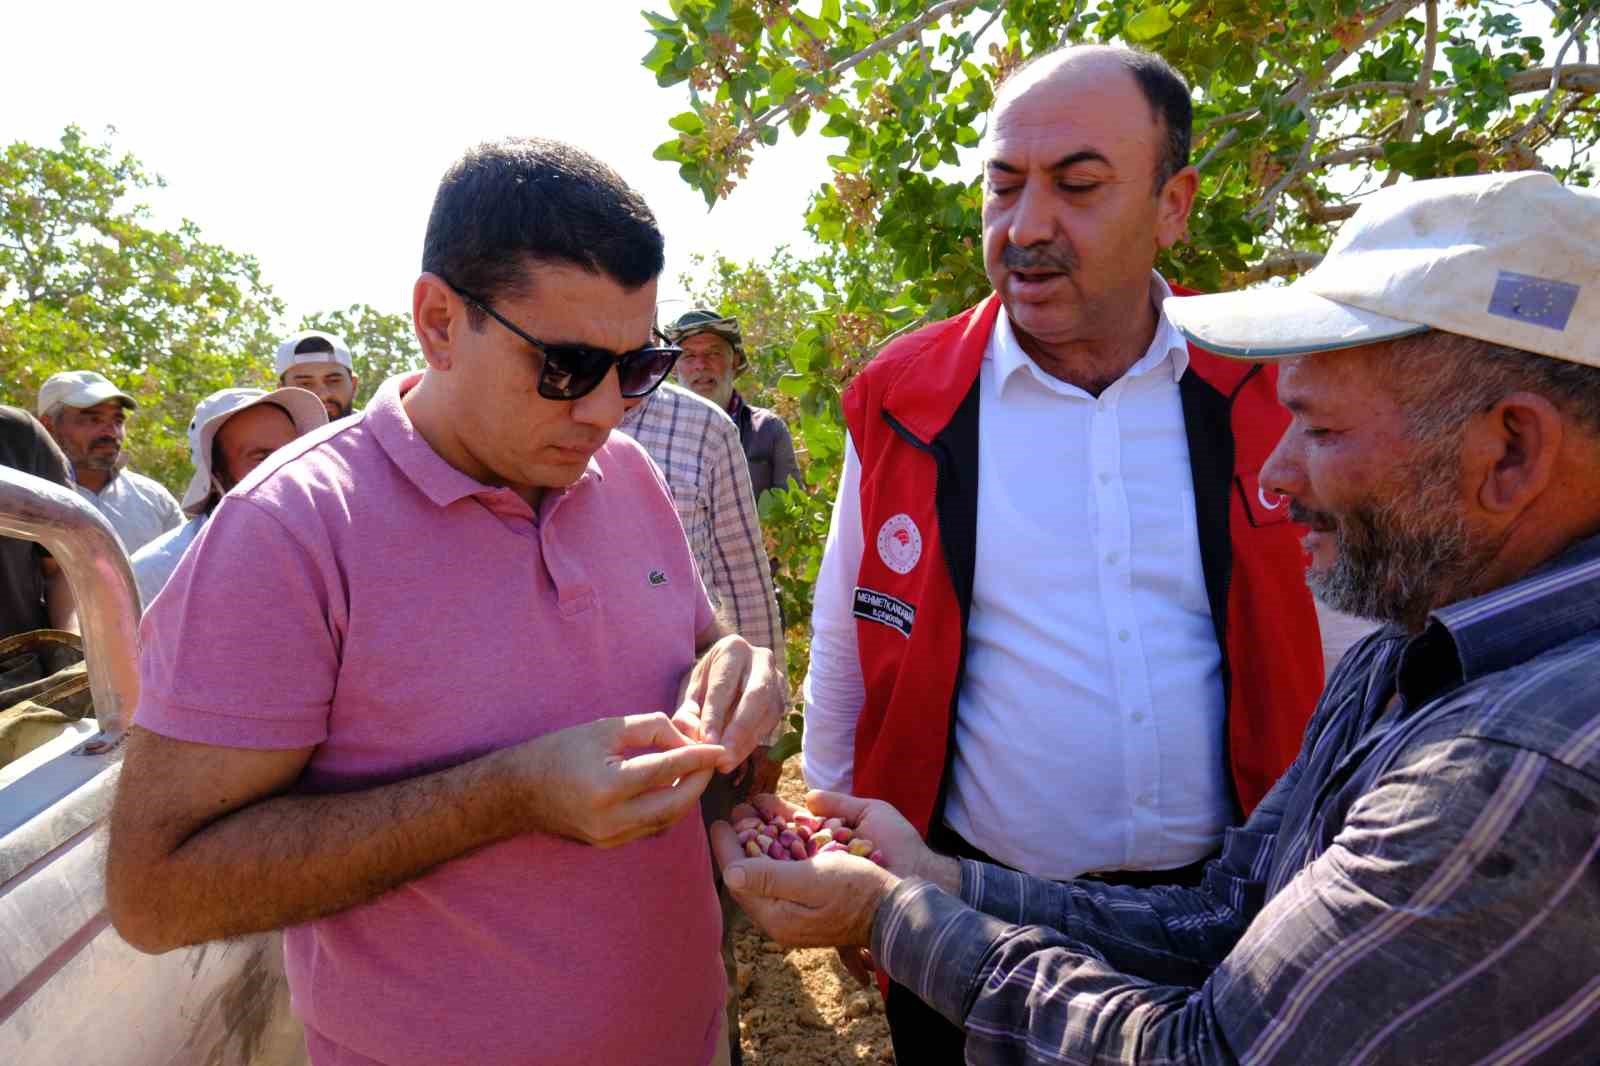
(1512, 259)
(305, 410)
(79, 388)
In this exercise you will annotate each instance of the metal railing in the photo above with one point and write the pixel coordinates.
(97, 570)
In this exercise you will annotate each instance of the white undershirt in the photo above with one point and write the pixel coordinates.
(1090, 721)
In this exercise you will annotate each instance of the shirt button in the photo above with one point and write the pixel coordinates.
(1145, 799)
(1124, 636)
(1137, 716)
(1111, 559)
(1105, 479)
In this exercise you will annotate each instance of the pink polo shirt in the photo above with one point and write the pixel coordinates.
(359, 595)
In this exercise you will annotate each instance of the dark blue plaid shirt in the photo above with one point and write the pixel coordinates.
(1421, 886)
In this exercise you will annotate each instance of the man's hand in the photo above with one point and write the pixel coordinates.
(614, 780)
(734, 697)
(822, 902)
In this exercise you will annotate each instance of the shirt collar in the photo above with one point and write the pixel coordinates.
(442, 483)
(1168, 343)
(1554, 604)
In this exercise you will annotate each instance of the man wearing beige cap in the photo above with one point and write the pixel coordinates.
(319, 362)
(232, 431)
(1420, 886)
(87, 416)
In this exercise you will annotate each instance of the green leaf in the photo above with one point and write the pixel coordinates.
(687, 122)
(793, 385)
(785, 747)
(1149, 24)
(661, 56)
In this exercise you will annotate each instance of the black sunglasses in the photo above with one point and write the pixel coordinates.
(574, 370)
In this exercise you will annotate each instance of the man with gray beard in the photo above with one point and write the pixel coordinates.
(1419, 887)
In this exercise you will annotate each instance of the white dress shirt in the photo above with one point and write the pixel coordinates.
(139, 508)
(1089, 726)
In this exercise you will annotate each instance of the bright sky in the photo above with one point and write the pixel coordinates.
(312, 135)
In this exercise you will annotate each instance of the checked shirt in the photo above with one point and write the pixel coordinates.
(697, 448)
(1421, 885)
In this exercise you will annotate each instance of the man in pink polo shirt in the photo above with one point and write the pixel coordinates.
(408, 694)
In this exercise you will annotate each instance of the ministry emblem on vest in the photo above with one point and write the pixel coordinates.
(900, 544)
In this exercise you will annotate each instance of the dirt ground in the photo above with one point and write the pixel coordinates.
(798, 1006)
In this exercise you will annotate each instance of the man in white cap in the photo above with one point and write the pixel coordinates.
(232, 431)
(87, 416)
(1420, 885)
(319, 362)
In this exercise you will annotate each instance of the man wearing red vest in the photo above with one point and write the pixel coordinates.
(1059, 623)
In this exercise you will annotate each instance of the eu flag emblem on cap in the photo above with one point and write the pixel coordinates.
(1536, 301)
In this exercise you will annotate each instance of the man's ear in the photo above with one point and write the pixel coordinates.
(1517, 441)
(438, 315)
(1176, 199)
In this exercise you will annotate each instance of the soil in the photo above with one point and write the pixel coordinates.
(799, 1007)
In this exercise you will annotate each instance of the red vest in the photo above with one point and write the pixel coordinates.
(913, 415)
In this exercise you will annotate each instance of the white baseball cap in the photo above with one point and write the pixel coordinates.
(315, 344)
(305, 410)
(1512, 259)
(79, 388)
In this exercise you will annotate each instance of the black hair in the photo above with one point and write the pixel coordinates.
(1164, 89)
(314, 344)
(507, 204)
(1168, 96)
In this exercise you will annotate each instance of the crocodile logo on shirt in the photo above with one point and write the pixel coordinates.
(657, 578)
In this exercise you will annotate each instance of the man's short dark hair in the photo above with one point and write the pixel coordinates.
(1168, 96)
(1164, 89)
(505, 203)
(314, 344)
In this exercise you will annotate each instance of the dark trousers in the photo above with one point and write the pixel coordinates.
(921, 1035)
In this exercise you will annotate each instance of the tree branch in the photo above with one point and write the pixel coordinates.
(1419, 95)
(1387, 16)
(1543, 109)
(779, 112)
(1348, 155)
(1267, 205)
(1276, 266)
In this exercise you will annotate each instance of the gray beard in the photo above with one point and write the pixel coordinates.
(1400, 560)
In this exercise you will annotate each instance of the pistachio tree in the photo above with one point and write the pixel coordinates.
(1302, 108)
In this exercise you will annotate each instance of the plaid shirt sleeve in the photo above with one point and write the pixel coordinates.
(1390, 947)
(740, 574)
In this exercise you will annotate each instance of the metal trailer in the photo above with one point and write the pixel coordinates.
(72, 992)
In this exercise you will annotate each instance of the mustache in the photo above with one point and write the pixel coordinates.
(104, 440)
(1305, 516)
(1054, 257)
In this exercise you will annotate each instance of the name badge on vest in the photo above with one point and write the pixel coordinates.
(884, 609)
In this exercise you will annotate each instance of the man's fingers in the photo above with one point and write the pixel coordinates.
(651, 812)
(686, 719)
(650, 731)
(725, 845)
(725, 681)
(857, 963)
(837, 805)
(659, 769)
(797, 882)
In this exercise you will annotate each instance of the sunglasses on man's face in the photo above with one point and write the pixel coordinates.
(574, 370)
